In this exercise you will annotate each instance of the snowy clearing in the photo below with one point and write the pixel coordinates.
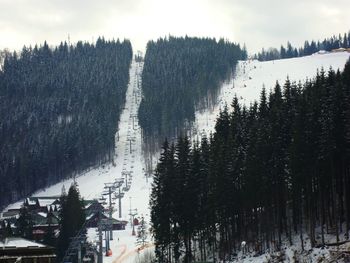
(251, 76)
(249, 79)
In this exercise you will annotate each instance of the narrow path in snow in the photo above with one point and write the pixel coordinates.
(130, 166)
(247, 84)
(136, 252)
(122, 252)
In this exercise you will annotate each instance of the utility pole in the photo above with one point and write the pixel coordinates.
(126, 174)
(107, 240)
(100, 234)
(133, 116)
(110, 187)
(132, 213)
(131, 139)
(79, 252)
(119, 195)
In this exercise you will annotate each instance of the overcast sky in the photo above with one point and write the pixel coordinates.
(258, 23)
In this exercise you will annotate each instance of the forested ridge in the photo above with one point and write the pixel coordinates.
(59, 112)
(309, 48)
(178, 74)
(277, 170)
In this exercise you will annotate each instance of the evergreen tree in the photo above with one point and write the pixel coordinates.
(49, 237)
(276, 169)
(72, 218)
(65, 104)
(179, 76)
(142, 235)
(8, 230)
(309, 48)
(25, 223)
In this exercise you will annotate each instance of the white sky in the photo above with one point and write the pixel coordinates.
(258, 23)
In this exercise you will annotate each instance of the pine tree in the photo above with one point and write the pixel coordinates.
(72, 218)
(8, 230)
(279, 168)
(142, 235)
(49, 237)
(25, 223)
(66, 121)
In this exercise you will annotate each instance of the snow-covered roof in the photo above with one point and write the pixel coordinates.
(45, 202)
(42, 214)
(89, 216)
(18, 242)
(30, 201)
(9, 215)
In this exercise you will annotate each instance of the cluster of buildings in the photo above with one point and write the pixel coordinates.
(43, 214)
(17, 249)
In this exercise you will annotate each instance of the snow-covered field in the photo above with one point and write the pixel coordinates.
(247, 83)
(91, 184)
(249, 79)
(251, 76)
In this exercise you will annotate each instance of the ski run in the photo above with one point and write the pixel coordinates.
(246, 83)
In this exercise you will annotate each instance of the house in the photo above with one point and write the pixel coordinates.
(11, 213)
(341, 49)
(16, 249)
(92, 206)
(45, 218)
(92, 221)
(42, 204)
(43, 223)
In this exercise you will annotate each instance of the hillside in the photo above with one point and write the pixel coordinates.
(253, 171)
(181, 74)
(247, 83)
(59, 112)
(252, 75)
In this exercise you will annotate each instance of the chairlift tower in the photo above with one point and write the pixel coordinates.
(133, 116)
(131, 140)
(132, 214)
(110, 188)
(119, 195)
(125, 174)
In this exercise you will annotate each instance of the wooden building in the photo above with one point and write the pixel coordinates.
(16, 249)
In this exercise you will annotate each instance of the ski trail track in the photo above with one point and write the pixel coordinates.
(247, 83)
(128, 165)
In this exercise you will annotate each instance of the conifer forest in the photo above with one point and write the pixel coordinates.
(309, 48)
(275, 170)
(204, 181)
(59, 112)
(179, 76)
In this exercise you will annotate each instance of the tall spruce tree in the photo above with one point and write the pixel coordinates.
(277, 169)
(72, 218)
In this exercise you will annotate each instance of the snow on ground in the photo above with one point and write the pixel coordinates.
(251, 76)
(293, 253)
(123, 245)
(246, 84)
(249, 79)
(91, 183)
(18, 242)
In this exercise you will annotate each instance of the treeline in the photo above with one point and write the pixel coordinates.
(274, 171)
(178, 73)
(59, 112)
(309, 48)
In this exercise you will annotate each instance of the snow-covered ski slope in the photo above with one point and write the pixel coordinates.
(91, 184)
(246, 84)
(251, 76)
